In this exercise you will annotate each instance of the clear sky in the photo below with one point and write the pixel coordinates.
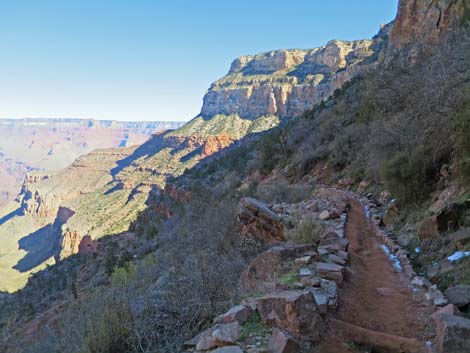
(152, 59)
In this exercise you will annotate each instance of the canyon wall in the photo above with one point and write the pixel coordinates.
(423, 23)
(49, 144)
(285, 83)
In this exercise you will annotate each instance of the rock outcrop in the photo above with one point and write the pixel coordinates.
(294, 311)
(453, 334)
(257, 220)
(285, 83)
(422, 23)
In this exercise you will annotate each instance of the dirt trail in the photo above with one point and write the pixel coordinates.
(376, 306)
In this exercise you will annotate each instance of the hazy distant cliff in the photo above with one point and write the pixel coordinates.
(31, 144)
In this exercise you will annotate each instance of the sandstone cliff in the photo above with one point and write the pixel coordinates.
(287, 82)
(421, 23)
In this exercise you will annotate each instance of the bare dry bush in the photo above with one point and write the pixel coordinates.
(155, 304)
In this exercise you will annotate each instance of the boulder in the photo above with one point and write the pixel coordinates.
(324, 216)
(264, 267)
(391, 215)
(334, 242)
(453, 334)
(226, 334)
(404, 240)
(204, 341)
(321, 299)
(311, 281)
(362, 186)
(436, 297)
(336, 259)
(449, 309)
(421, 282)
(458, 295)
(343, 254)
(449, 218)
(345, 183)
(293, 311)
(218, 336)
(257, 220)
(326, 289)
(428, 229)
(335, 214)
(304, 260)
(281, 342)
(384, 197)
(238, 313)
(330, 271)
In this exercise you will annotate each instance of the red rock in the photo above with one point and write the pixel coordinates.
(214, 144)
(335, 214)
(453, 334)
(226, 334)
(428, 228)
(265, 266)
(281, 342)
(421, 22)
(293, 311)
(330, 271)
(205, 341)
(449, 309)
(238, 313)
(257, 220)
(87, 246)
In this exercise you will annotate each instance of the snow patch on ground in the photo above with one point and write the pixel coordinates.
(367, 210)
(458, 256)
(395, 261)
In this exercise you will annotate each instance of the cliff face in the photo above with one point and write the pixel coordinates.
(287, 82)
(424, 22)
(51, 144)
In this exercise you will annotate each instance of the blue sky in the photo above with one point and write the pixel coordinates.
(152, 60)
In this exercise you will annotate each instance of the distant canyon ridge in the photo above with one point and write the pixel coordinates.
(51, 144)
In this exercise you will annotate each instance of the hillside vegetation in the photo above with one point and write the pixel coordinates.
(400, 131)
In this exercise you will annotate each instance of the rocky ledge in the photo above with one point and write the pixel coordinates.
(287, 291)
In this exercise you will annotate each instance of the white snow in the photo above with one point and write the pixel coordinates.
(395, 261)
(458, 256)
(366, 208)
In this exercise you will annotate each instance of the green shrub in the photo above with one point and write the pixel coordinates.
(408, 176)
(254, 326)
(305, 232)
(366, 111)
(123, 275)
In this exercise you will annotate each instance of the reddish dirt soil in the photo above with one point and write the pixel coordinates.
(374, 297)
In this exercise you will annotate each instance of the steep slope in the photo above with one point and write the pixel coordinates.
(33, 229)
(378, 130)
(104, 198)
(50, 144)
